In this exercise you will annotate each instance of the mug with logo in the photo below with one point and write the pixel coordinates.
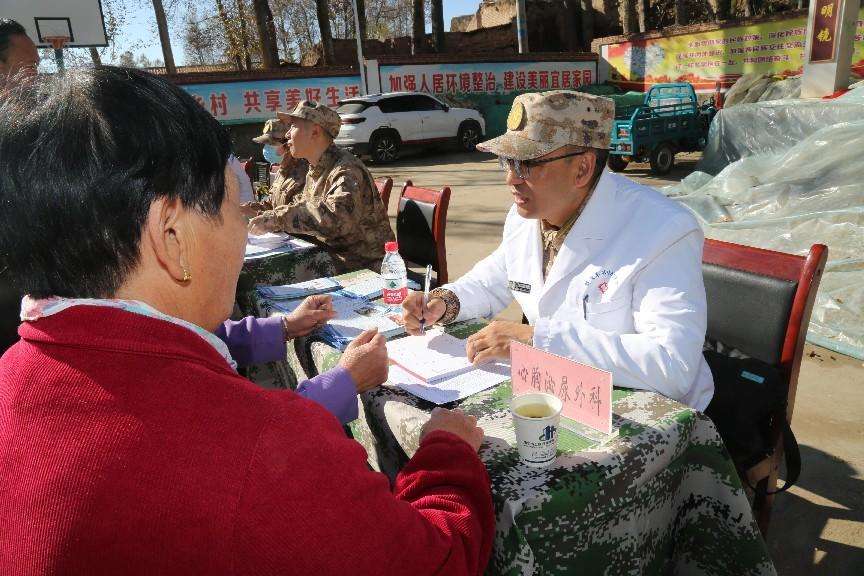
(535, 418)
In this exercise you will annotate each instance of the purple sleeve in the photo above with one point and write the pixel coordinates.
(334, 390)
(254, 340)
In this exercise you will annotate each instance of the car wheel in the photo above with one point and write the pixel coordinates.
(662, 159)
(617, 163)
(384, 147)
(469, 136)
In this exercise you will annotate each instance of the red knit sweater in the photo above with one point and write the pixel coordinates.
(128, 446)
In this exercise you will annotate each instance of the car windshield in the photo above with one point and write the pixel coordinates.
(352, 107)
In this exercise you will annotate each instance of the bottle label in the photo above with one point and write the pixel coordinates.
(394, 293)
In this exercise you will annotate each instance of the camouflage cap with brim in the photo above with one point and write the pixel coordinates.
(541, 122)
(273, 132)
(315, 112)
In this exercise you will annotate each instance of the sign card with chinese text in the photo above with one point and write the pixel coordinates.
(585, 391)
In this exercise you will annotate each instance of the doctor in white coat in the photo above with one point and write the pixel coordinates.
(607, 272)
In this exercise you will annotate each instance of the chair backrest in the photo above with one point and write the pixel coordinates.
(759, 302)
(249, 168)
(385, 186)
(420, 227)
(10, 309)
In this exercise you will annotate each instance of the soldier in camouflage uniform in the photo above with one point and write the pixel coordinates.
(290, 179)
(340, 205)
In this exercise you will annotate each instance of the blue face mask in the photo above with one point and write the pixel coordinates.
(271, 155)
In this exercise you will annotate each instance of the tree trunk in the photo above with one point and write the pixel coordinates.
(568, 26)
(625, 10)
(361, 17)
(283, 36)
(418, 37)
(721, 9)
(681, 16)
(642, 12)
(587, 17)
(94, 55)
(323, 12)
(438, 25)
(233, 48)
(164, 39)
(748, 12)
(266, 33)
(244, 33)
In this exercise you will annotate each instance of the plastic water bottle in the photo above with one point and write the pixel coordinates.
(395, 277)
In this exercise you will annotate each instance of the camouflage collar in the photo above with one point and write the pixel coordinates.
(554, 237)
(326, 162)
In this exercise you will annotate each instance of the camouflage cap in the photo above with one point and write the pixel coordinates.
(541, 122)
(318, 113)
(274, 130)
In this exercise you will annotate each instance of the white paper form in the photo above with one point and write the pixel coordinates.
(451, 389)
(432, 356)
(356, 315)
(299, 289)
(271, 244)
(269, 240)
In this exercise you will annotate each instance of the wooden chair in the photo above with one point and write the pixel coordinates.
(420, 224)
(385, 186)
(759, 302)
(249, 168)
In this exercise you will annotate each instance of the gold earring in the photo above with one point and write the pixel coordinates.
(186, 275)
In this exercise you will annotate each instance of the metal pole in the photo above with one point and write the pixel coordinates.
(522, 26)
(58, 56)
(361, 61)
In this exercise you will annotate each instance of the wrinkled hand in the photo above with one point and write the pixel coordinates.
(412, 312)
(313, 313)
(251, 209)
(493, 341)
(456, 422)
(366, 360)
(262, 225)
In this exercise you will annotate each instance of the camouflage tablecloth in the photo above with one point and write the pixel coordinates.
(297, 265)
(284, 268)
(661, 498)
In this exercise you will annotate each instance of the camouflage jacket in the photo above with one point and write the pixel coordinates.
(341, 208)
(288, 184)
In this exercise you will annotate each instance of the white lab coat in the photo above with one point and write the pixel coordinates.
(625, 292)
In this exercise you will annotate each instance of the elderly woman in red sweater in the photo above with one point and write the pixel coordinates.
(128, 442)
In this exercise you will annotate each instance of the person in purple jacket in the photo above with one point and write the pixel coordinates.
(362, 366)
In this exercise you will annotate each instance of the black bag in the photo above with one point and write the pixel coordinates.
(746, 393)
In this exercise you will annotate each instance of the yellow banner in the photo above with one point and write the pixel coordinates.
(706, 58)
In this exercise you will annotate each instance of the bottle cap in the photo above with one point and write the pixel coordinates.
(391, 247)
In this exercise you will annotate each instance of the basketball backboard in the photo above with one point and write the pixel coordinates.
(81, 21)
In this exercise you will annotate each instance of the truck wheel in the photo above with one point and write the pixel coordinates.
(617, 163)
(469, 136)
(384, 147)
(662, 159)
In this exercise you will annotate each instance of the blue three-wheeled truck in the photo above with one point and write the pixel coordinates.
(670, 120)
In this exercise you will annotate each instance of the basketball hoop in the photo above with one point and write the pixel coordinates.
(57, 41)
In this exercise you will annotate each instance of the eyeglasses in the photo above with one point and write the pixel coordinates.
(522, 168)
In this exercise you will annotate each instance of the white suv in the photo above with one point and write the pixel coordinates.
(380, 125)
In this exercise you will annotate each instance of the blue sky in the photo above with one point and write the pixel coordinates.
(139, 34)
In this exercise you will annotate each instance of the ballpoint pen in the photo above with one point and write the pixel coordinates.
(426, 283)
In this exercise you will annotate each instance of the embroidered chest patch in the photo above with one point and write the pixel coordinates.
(598, 284)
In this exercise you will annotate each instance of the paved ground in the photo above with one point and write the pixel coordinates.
(818, 526)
